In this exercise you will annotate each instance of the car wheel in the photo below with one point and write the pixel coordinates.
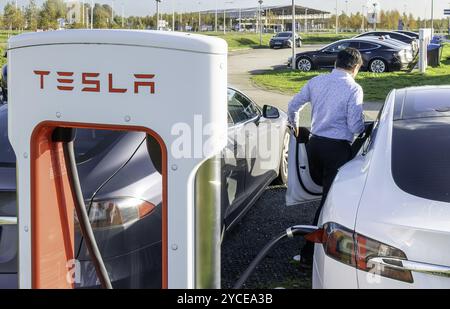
(304, 65)
(378, 66)
(283, 172)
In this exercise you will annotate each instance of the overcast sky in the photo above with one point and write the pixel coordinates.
(144, 7)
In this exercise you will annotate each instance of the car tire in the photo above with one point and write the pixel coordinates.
(378, 66)
(282, 178)
(304, 64)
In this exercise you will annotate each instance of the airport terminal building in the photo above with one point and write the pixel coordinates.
(273, 18)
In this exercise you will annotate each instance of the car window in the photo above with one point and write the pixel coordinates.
(240, 108)
(7, 156)
(90, 142)
(366, 46)
(338, 47)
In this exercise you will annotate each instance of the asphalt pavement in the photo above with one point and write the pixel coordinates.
(242, 64)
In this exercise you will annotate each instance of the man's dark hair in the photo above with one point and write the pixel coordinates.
(348, 59)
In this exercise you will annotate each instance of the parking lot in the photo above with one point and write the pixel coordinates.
(269, 216)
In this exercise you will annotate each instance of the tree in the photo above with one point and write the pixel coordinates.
(102, 16)
(13, 17)
(32, 15)
(52, 10)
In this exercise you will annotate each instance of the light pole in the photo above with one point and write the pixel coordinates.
(363, 24)
(82, 13)
(306, 20)
(216, 17)
(337, 18)
(173, 15)
(376, 17)
(346, 15)
(432, 17)
(123, 13)
(112, 13)
(260, 22)
(157, 14)
(240, 18)
(225, 17)
(294, 60)
(92, 14)
(199, 17)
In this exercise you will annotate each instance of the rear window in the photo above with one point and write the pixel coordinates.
(420, 157)
(426, 103)
(283, 35)
(89, 142)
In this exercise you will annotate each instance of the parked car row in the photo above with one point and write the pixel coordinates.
(382, 51)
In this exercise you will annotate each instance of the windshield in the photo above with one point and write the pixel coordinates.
(88, 142)
(283, 35)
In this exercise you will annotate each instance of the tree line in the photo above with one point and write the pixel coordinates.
(48, 16)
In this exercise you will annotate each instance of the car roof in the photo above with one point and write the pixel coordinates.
(375, 40)
(389, 32)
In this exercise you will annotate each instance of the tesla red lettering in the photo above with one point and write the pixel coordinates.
(92, 82)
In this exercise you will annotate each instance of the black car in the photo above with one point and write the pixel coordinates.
(378, 56)
(408, 33)
(284, 39)
(394, 35)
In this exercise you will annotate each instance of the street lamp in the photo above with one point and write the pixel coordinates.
(432, 16)
(157, 14)
(260, 22)
(216, 17)
(375, 15)
(337, 18)
(199, 17)
(346, 15)
(294, 60)
(306, 20)
(225, 17)
(92, 14)
(123, 14)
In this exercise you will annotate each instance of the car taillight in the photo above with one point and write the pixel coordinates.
(353, 249)
(117, 212)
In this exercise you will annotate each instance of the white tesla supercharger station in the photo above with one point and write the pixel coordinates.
(118, 80)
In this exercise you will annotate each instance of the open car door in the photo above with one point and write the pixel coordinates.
(304, 184)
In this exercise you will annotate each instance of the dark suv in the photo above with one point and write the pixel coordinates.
(284, 39)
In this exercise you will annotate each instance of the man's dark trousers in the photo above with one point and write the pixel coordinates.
(325, 157)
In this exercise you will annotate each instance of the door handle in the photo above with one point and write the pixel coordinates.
(8, 220)
(426, 268)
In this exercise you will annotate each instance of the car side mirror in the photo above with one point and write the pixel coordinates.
(271, 112)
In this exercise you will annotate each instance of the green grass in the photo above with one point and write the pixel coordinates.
(376, 86)
(239, 41)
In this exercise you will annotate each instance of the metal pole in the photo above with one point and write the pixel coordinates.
(294, 60)
(306, 20)
(112, 12)
(337, 18)
(199, 18)
(82, 13)
(92, 14)
(240, 17)
(432, 17)
(260, 22)
(216, 17)
(123, 13)
(157, 14)
(173, 15)
(224, 22)
(346, 15)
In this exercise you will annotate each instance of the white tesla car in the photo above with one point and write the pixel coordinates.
(386, 221)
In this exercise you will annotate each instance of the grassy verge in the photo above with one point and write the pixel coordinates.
(376, 86)
(239, 41)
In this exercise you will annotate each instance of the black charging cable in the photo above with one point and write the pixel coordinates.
(67, 136)
(298, 230)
